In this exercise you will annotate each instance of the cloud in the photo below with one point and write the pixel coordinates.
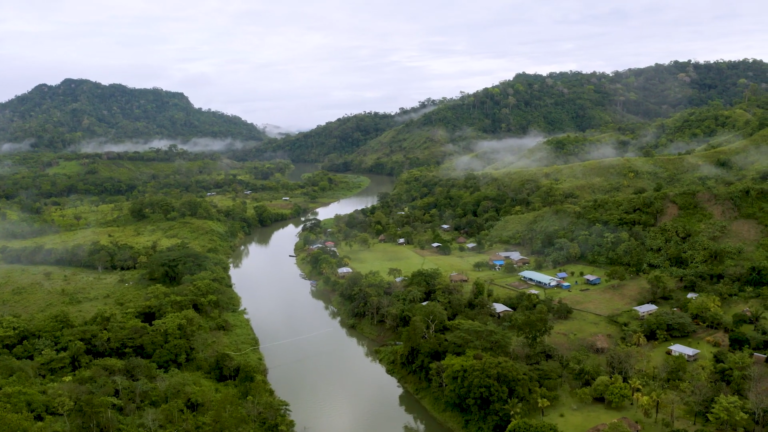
(414, 114)
(299, 64)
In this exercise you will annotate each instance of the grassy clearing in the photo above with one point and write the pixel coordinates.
(572, 333)
(26, 290)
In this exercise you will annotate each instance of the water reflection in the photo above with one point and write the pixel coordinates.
(326, 372)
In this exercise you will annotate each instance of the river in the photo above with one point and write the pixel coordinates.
(326, 372)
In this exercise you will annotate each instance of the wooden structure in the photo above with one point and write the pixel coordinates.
(461, 240)
(382, 238)
(646, 309)
(458, 278)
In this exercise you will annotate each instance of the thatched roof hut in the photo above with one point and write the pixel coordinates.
(461, 240)
(458, 278)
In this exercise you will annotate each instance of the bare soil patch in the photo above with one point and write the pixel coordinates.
(744, 231)
(721, 210)
(671, 210)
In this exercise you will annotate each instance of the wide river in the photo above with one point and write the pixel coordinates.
(326, 372)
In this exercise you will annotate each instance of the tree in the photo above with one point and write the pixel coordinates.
(635, 385)
(617, 394)
(757, 394)
(727, 412)
(363, 240)
(394, 272)
(542, 403)
(658, 285)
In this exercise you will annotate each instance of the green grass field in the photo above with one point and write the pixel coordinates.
(26, 290)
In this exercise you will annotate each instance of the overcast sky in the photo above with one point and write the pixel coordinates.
(298, 64)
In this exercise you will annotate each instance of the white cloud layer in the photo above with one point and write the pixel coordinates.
(298, 64)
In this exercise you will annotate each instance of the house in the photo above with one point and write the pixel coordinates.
(458, 278)
(471, 246)
(445, 227)
(533, 291)
(247, 192)
(692, 295)
(330, 244)
(682, 350)
(646, 309)
(425, 303)
(759, 358)
(563, 284)
(592, 279)
(562, 275)
(210, 194)
(632, 426)
(382, 238)
(496, 260)
(436, 245)
(400, 279)
(286, 199)
(461, 240)
(401, 241)
(515, 257)
(501, 309)
(344, 271)
(540, 279)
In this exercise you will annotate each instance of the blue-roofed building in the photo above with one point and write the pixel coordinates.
(539, 279)
(592, 279)
(562, 275)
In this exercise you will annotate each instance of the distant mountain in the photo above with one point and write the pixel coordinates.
(59, 116)
(562, 102)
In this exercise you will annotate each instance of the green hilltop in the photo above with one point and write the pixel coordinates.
(55, 117)
(628, 104)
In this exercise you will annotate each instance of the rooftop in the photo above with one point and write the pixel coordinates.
(471, 245)
(499, 308)
(692, 295)
(645, 308)
(345, 270)
(538, 277)
(562, 275)
(684, 349)
(591, 277)
(511, 255)
(436, 244)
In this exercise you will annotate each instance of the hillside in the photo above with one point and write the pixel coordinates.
(630, 101)
(59, 116)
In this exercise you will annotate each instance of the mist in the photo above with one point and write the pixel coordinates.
(415, 114)
(193, 145)
(14, 147)
(496, 152)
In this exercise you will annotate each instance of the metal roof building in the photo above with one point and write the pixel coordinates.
(538, 278)
(692, 295)
(345, 270)
(500, 308)
(689, 353)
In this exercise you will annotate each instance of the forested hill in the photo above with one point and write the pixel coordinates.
(552, 104)
(59, 116)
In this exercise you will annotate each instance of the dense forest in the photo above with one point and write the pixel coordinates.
(56, 117)
(118, 312)
(624, 102)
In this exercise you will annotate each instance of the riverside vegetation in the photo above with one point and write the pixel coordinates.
(117, 308)
(684, 214)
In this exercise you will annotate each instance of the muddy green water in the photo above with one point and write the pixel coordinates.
(326, 372)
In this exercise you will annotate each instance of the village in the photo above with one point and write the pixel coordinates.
(600, 303)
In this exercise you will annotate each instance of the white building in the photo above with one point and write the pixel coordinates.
(501, 309)
(646, 309)
(682, 350)
(692, 295)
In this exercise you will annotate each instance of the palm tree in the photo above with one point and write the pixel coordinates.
(543, 403)
(636, 386)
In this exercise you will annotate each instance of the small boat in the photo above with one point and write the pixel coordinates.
(292, 256)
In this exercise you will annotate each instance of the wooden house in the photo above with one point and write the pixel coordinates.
(461, 240)
(592, 279)
(515, 257)
(646, 309)
(690, 354)
(382, 238)
(458, 278)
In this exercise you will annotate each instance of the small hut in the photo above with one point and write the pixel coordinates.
(458, 278)
(471, 246)
(401, 242)
(646, 309)
(496, 259)
(692, 295)
(445, 227)
(690, 354)
(436, 245)
(592, 279)
(501, 309)
(330, 244)
(344, 271)
(461, 240)
(382, 238)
